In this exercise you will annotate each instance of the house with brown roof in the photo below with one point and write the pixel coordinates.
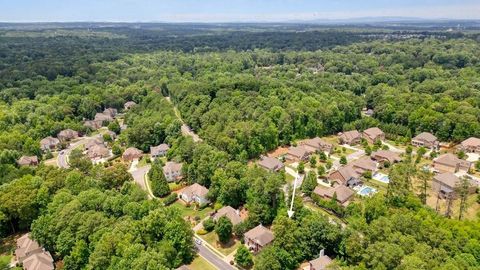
(112, 112)
(49, 143)
(67, 135)
(26, 246)
(103, 118)
(28, 161)
(470, 145)
(271, 164)
(451, 163)
(131, 153)
(231, 213)
(258, 237)
(92, 124)
(172, 171)
(159, 151)
(425, 139)
(351, 137)
(345, 175)
(39, 261)
(97, 152)
(195, 193)
(317, 145)
(382, 156)
(343, 193)
(297, 153)
(320, 263)
(128, 105)
(446, 183)
(373, 134)
(93, 142)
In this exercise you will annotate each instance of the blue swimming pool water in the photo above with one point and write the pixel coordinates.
(382, 178)
(366, 191)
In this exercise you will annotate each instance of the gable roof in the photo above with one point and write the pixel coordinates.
(350, 135)
(388, 155)
(171, 166)
(270, 163)
(39, 261)
(347, 172)
(103, 117)
(343, 192)
(451, 160)
(449, 179)
(297, 151)
(365, 163)
(160, 148)
(25, 244)
(132, 152)
(425, 136)
(68, 134)
(316, 142)
(196, 190)
(49, 141)
(98, 151)
(373, 132)
(260, 235)
(471, 142)
(230, 213)
(27, 160)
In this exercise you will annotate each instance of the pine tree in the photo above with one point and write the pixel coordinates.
(158, 180)
(309, 183)
(462, 191)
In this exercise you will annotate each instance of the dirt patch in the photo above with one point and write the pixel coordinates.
(280, 151)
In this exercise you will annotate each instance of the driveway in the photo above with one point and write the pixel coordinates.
(62, 159)
(139, 178)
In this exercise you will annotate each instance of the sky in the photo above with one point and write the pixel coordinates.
(230, 10)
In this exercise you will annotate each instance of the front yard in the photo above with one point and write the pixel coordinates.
(190, 211)
(201, 264)
(226, 249)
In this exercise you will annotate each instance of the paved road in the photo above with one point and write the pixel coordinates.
(208, 255)
(139, 177)
(62, 159)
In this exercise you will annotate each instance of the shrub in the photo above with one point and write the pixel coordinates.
(170, 199)
(201, 232)
(209, 225)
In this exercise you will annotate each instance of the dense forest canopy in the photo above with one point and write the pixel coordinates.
(245, 91)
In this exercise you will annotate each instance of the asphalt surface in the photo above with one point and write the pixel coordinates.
(139, 177)
(208, 255)
(62, 158)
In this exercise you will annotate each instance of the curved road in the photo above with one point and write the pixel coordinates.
(62, 159)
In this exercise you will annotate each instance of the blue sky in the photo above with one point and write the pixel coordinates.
(229, 10)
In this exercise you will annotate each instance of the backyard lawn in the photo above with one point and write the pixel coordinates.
(201, 264)
(190, 211)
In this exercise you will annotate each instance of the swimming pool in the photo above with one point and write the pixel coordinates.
(381, 177)
(366, 191)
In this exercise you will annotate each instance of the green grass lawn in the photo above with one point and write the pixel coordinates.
(312, 206)
(190, 211)
(201, 264)
(226, 249)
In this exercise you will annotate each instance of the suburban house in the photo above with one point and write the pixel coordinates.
(159, 151)
(445, 184)
(131, 153)
(112, 134)
(111, 112)
(92, 124)
(345, 175)
(94, 142)
(343, 193)
(271, 164)
(172, 171)
(49, 143)
(451, 163)
(28, 161)
(297, 153)
(257, 238)
(382, 156)
(67, 135)
(31, 255)
(373, 134)
(231, 213)
(195, 193)
(128, 105)
(98, 151)
(470, 145)
(320, 263)
(102, 118)
(351, 137)
(317, 145)
(426, 139)
(364, 164)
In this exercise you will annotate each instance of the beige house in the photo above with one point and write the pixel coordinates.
(345, 175)
(111, 112)
(97, 152)
(446, 183)
(297, 153)
(343, 193)
(271, 164)
(131, 153)
(49, 143)
(67, 135)
(317, 145)
(94, 142)
(102, 118)
(231, 213)
(373, 134)
(31, 255)
(470, 145)
(92, 124)
(258, 237)
(382, 156)
(426, 139)
(351, 137)
(28, 161)
(195, 193)
(159, 151)
(451, 163)
(172, 171)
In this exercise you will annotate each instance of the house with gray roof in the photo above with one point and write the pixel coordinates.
(470, 145)
(258, 237)
(297, 153)
(195, 193)
(231, 213)
(446, 183)
(271, 164)
(49, 143)
(426, 139)
(373, 134)
(317, 145)
(351, 137)
(172, 171)
(451, 163)
(159, 151)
